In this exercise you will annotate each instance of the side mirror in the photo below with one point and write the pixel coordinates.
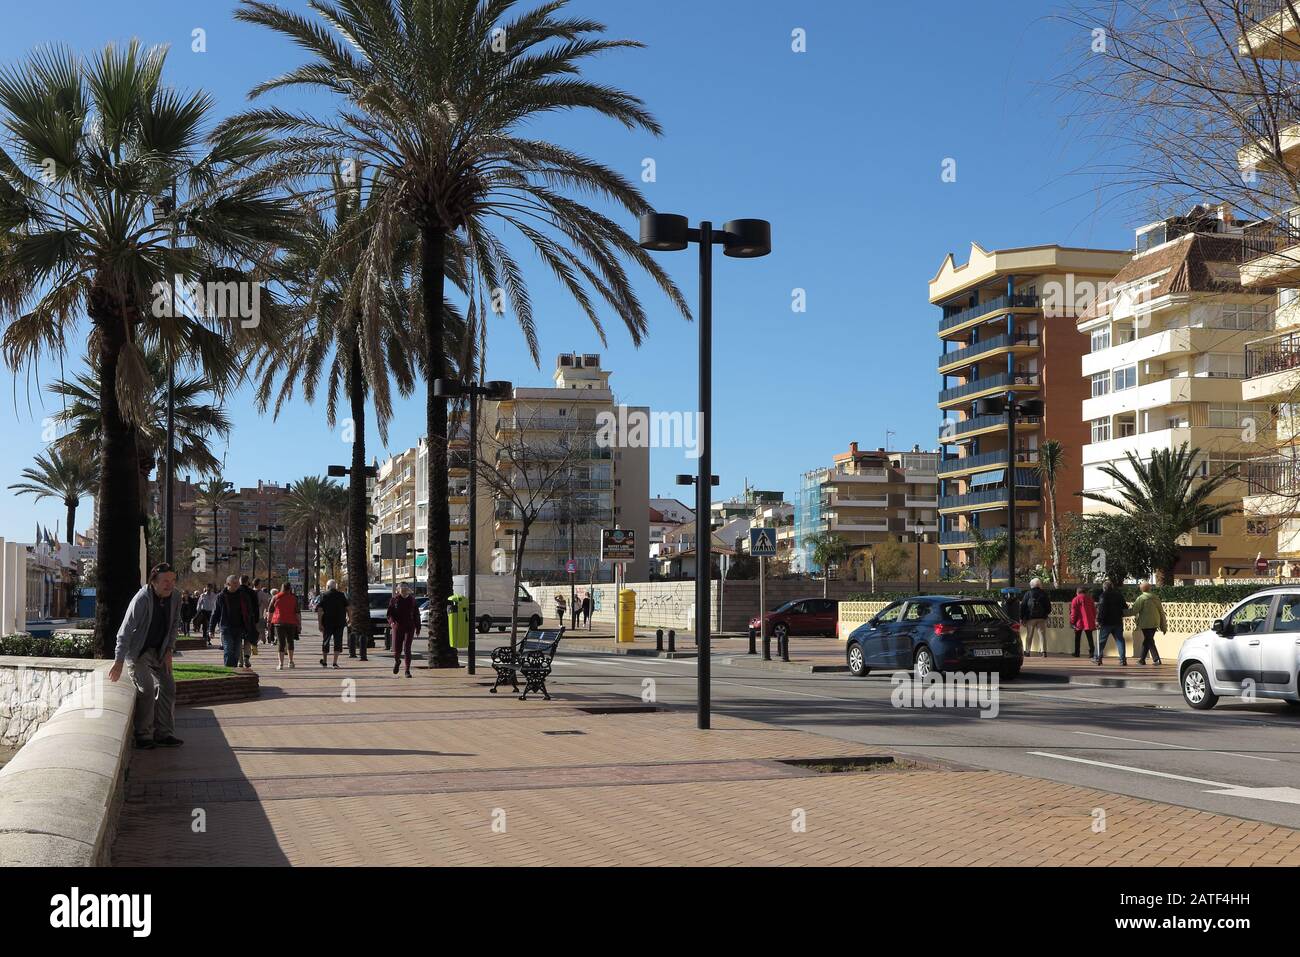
(1222, 628)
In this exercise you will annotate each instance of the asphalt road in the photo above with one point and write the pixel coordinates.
(1239, 759)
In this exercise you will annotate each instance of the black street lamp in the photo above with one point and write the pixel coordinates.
(253, 541)
(703, 594)
(270, 550)
(454, 388)
(997, 405)
(739, 239)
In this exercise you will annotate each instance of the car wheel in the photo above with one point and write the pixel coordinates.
(484, 625)
(1196, 688)
(923, 666)
(857, 661)
(780, 632)
(535, 621)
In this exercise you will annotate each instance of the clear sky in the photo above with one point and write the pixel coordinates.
(841, 147)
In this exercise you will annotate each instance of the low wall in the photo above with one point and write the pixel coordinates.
(1185, 618)
(60, 794)
(31, 690)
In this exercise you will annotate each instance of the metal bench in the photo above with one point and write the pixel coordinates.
(531, 658)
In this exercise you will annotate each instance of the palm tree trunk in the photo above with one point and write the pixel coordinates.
(358, 561)
(117, 526)
(146, 464)
(433, 276)
(1056, 532)
(72, 518)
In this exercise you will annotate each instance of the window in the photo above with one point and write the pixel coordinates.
(1251, 616)
(1100, 384)
(1288, 613)
(1124, 378)
(1100, 340)
(1232, 415)
(1226, 366)
(1126, 427)
(917, 611)
(1101, 430)
(1256, 526)
(890, 614)
(1200, 567)
(1237, 315)
(1213, 527)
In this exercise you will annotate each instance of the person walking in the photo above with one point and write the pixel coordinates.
(188, 610)
(204, 607)
(252, 619)
(228, 616)
(1083, 619)
(145, 642)
(561, 606)
(1149, 616)
(575, 613)
(1035, 608)
(332, 617)
(586, 610)
(285, 620)
(264, 597)
(1110, 621)
(403, 625)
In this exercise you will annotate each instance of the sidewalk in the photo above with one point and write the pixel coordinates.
(434, 770)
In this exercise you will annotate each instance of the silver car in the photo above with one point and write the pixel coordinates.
(1251, 652)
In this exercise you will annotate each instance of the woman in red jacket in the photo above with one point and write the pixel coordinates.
(1083, 618)
(285, 621)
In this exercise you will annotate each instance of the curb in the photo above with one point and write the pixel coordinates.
(1140, 684)
(794, 667)
(194, 692)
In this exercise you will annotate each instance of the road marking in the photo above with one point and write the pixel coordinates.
(1179, 747)
(1125, 767)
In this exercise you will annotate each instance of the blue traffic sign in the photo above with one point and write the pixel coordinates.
(762, 542)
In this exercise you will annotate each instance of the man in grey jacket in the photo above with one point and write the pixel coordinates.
(146, 641)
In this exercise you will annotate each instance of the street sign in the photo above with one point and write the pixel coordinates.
(570, 566)
(617, 545)
(762, 542)
(393, 545)
(1261, 566)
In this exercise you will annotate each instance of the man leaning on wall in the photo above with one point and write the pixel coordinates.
(145, 642)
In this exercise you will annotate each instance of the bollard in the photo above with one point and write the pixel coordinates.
(752, 638)
(672, 641)
(659, 640)
(785, 647)
(767, 646)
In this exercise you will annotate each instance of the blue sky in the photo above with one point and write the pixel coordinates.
(841, 147)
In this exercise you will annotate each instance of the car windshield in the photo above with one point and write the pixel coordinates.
(981, 611)
(789, 605)
(379, 599)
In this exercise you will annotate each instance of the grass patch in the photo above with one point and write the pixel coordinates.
(189, 672)
(854, 765)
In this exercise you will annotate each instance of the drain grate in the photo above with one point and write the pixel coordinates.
(622, 709)
(848, 765)
(567, 731)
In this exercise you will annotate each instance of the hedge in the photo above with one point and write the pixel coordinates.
(1219, 594)
(58, 645)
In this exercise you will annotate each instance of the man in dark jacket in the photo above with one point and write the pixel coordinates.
(146, 641)
(253, 612)
(232, 619)
(1035, 609)
(332, 616)
(1110, 621)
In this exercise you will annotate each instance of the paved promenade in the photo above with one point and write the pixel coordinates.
(358, 766)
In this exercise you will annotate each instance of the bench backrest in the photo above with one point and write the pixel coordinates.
(545, 640)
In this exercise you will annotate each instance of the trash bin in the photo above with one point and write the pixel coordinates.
(458, 621)
(626, 615)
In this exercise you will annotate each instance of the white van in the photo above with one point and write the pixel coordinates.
(493, 601)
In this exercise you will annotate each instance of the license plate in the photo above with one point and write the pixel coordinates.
(987, 652)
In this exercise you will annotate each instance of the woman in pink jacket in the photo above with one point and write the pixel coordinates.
(1083, 618)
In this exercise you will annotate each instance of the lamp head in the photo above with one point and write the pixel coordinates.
(664, 232)
(448, 388)
(993, 405)
(337, 471)
(686, 480)
(498, 389)
(1031, 407)
(747, 238)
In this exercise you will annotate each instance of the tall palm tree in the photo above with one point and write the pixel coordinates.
(93, 151)
(440, 97)
(67, 478)
(307, 509)
(215, 495)
(1167, 495)
(1051, 460)
(828, 550)
(986, 551)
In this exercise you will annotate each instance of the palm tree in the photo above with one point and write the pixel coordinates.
(93, 153)
(986, 551)
(309, 508)
(1051, 459)
(440, 97)
(1167, 495)
(68, 478)
(828, 550)
(215, 495)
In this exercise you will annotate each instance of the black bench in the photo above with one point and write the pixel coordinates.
(530, 658)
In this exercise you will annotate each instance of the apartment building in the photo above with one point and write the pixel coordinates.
(1272, 360)
(262, 504)
(1008, 330)
(1164, 368)
(866, 497)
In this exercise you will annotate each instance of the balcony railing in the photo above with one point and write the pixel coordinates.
(1261, 124)
(989, 382)
(980, 422)
(984, 308)
(1003, 341)
(1272, 357)
(560, 423)
(988, 496)
(1260, 11)
(989, 459)
(1273, 477)
(967, 538)
(1269, 237)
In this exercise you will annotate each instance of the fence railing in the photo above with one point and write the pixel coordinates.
(1023, 457)
(987, 345)
(989, 382)
(984, 308)
(1272, 357)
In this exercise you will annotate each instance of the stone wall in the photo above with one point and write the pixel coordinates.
(32, 689)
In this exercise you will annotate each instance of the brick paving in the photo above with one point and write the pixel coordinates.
(433, 770)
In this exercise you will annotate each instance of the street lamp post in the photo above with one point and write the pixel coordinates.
(740, 239)
(253, 542)
(270, 551)
(703, 594)
(495, 389)
(997, 405)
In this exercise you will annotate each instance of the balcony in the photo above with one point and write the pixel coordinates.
(1277, 249)
(1173, 390)
(966, 538)
(1263, 126)
(837, 501)
(561, 423)
(861, 475)
(986, 460)
(967, 429)
(854, 524)
(990, 385)
(985, 310)
(931, 502)
(1272, 487)
(1271, 33)
(1019, 344)
(990, 498)
(1272, 370)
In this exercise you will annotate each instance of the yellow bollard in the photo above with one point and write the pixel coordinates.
(626, 628)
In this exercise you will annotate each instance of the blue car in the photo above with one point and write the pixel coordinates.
(937, 633)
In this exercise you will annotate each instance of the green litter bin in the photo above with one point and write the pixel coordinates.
(458, 621)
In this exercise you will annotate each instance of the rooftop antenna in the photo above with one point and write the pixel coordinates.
(888, 433)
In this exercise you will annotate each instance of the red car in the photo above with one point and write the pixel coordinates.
(803, 616)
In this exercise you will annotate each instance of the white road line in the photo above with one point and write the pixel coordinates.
(1179, 747)
(1125, 767)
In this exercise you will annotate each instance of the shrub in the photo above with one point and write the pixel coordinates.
(59, 645)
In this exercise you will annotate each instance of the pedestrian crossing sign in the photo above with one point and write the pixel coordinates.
(762, 542)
